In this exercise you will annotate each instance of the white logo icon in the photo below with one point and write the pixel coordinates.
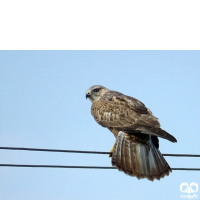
(192, 188)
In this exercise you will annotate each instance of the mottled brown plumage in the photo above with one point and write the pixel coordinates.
(136, 130)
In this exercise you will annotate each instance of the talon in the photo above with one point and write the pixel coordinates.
(111, 151)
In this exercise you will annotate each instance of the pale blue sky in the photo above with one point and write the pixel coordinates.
(43, 105)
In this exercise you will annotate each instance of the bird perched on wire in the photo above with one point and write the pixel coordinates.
(135, 151)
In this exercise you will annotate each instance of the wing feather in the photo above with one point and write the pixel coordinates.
(120, 111)
(125, 113)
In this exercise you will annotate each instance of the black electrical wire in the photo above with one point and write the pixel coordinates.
(53, 150)
(89, 152)
(56, 166)
(80, 167)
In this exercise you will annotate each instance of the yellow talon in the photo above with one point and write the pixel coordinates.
(111, 151)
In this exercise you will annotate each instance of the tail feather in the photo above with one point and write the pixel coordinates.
(139, 158)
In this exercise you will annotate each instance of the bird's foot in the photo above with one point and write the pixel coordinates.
(111, 151)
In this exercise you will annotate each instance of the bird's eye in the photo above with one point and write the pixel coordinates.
(96, 90)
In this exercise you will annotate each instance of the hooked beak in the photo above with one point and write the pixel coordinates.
(87, 95)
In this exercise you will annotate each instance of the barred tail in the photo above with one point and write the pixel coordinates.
(140, 159)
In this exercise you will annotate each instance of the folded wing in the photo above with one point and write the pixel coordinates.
(125, 113)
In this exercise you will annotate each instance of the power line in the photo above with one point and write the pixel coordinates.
(86, 152)
(181, 155)
(89, 152)
(80, 167)
(56, 166)
(53, 150)
(187, 169)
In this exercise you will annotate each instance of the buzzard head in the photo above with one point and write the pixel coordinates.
(95, 92)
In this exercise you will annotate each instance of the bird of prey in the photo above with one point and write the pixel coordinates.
(136, 129)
